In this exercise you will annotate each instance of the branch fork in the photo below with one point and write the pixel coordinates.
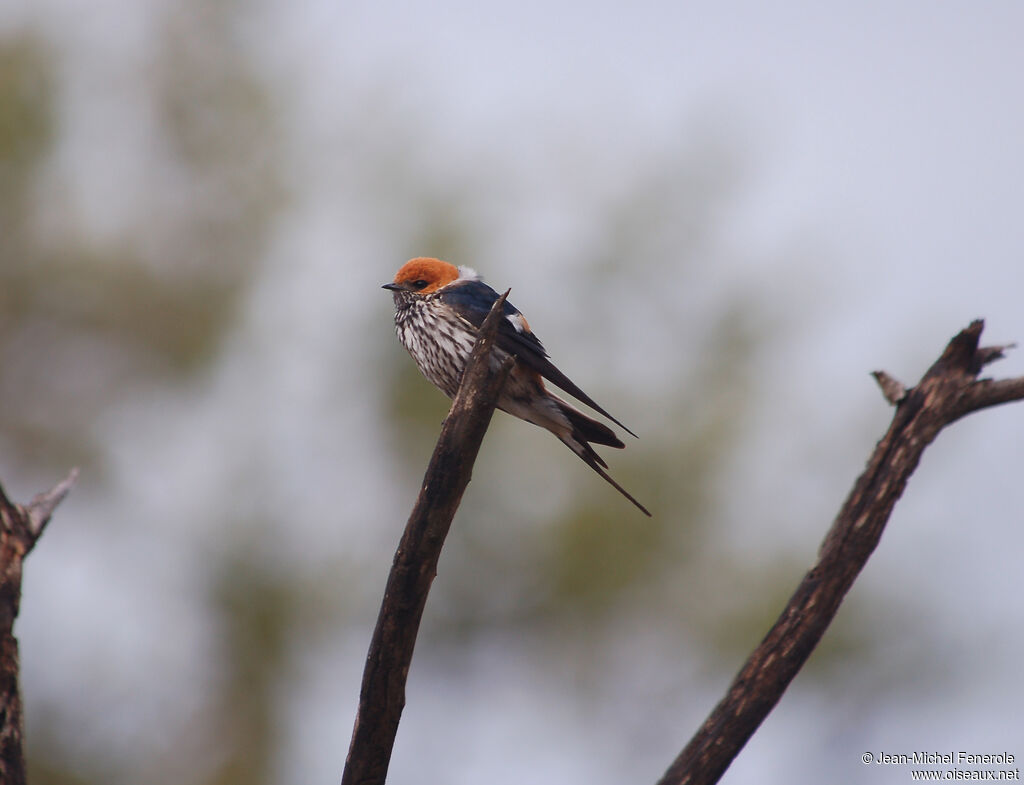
(20, 529)
(948, 391)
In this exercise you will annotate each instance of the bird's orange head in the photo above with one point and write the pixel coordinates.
(423, 276)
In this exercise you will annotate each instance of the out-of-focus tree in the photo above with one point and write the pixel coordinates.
(541, 546)
(85, 321)
(90, 322)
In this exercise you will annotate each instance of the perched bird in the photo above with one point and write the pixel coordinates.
(438, 308)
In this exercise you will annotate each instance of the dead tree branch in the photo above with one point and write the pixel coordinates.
(20, 529)
(948, 391)
(382, 696)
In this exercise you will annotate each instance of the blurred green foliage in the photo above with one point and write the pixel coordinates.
(257, 611)
(541, 545)
(26, 127)
(83, 325)
(86, 326)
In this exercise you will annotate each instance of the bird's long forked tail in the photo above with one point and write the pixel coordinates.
(607, 477)
(585, 431)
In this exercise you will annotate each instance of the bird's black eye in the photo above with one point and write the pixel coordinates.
(420, 284)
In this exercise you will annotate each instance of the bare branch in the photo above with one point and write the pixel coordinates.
(382, 697)
(892, 389)
(42, 506)
(20, 528)
(990, 392)
(989, 354)
(948, 391)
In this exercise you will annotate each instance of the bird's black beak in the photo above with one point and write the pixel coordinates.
(395, 287)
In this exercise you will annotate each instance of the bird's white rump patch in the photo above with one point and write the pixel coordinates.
(518, 322)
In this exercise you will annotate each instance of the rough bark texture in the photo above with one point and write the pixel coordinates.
(20, 529)
(382, 697)
(947, 392)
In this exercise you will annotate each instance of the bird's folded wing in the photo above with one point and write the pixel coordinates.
(472, 300)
